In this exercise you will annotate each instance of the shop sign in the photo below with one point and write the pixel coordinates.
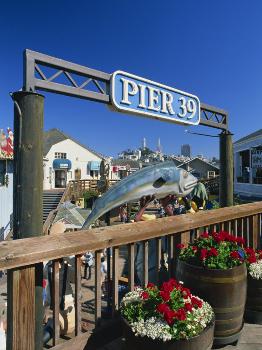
(133, 94)
(256, 159)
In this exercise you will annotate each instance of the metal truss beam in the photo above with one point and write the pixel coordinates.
(36, 79)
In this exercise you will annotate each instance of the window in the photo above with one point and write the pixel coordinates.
(94, 173)
(244, 167)
(2, 172)
(60, 155)
(211, 174)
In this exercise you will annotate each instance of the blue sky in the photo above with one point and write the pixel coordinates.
(212, 49)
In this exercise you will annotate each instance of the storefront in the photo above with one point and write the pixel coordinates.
(61, 168)
(93, 168)
(248, 165)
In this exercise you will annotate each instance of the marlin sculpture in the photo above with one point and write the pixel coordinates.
(159, 180)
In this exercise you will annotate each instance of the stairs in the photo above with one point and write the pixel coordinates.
(51, 199)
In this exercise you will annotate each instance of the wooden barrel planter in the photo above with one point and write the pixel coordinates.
(253, 311)
(224, 290)
(203, 341)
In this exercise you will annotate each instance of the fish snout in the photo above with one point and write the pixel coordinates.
(190, 182)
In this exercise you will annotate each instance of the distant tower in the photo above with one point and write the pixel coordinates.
(144, 143)
(159, 147)
(186, 150)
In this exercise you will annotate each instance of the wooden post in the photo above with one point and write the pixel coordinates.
(25, 285)
(226, 170)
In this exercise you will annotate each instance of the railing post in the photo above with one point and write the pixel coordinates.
(226, 169)
(25, 285)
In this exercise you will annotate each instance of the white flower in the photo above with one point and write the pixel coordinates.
(152, 328)
(255, 270)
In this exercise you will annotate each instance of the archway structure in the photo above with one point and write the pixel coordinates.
(28, 168)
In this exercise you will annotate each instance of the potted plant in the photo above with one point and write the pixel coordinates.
(213, 267)
(90, 197)
(253, 311)
(169, 317)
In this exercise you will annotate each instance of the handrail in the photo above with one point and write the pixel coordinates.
(34, 250)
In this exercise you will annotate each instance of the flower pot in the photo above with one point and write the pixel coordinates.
(224, 290)
(253, 311)
(203, 341)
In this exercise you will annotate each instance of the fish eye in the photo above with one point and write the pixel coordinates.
(185, 174)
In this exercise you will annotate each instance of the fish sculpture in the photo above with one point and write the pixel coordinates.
(159, 180)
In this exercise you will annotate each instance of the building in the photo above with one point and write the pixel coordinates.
(121, 168)
(186, 150)
(66, 159)
(6, 183)
(248, 165)
(200, 168)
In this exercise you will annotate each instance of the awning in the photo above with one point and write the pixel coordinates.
(62, 164)
(94, 165)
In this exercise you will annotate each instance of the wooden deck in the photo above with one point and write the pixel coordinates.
(251, 339)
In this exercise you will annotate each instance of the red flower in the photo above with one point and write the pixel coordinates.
(252, 259)
(194, 248)
(205, 235)
(162, 308)
(180, 246)
(240, 240)
(165, 295)
(145, 295)
(150, 285)
(196, 302)
(169, 316)
(213, 252)
(203, 254)
(250, 251)
(168, 286)
(188, 307)
(180, 314)
(185, 292)
(234, 254)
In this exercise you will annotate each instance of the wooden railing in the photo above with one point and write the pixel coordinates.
(78, 187)
(243, 220)
(51, 216)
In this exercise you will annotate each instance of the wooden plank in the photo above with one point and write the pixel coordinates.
(158, 257)
(97, 287)
(170, 246)
(131, 267)
(254, 237)
(78, 308)
(145, 263)
(96, 339)
(56, 301)
(21, 304)
(115, 280)
(33, 250)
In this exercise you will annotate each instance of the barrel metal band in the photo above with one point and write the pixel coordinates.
(230, 331)
(224, 310)
(220, 280)
(229, 320)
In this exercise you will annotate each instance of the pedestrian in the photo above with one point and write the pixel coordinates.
(88, 260)
(103, 275)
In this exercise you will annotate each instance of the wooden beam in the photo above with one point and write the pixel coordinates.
(37, 249)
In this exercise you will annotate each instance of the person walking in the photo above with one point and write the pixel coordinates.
(88, 263)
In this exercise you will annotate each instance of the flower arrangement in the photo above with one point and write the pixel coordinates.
(166, 313)
(218, 250)
(254, 263)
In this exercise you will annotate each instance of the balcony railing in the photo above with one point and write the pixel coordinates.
(243, 220)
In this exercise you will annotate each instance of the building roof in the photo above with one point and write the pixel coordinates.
(201, 160)
(250, 136)
(123, 162)
(54, 136)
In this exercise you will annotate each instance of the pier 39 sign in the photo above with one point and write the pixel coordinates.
(133, 94)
